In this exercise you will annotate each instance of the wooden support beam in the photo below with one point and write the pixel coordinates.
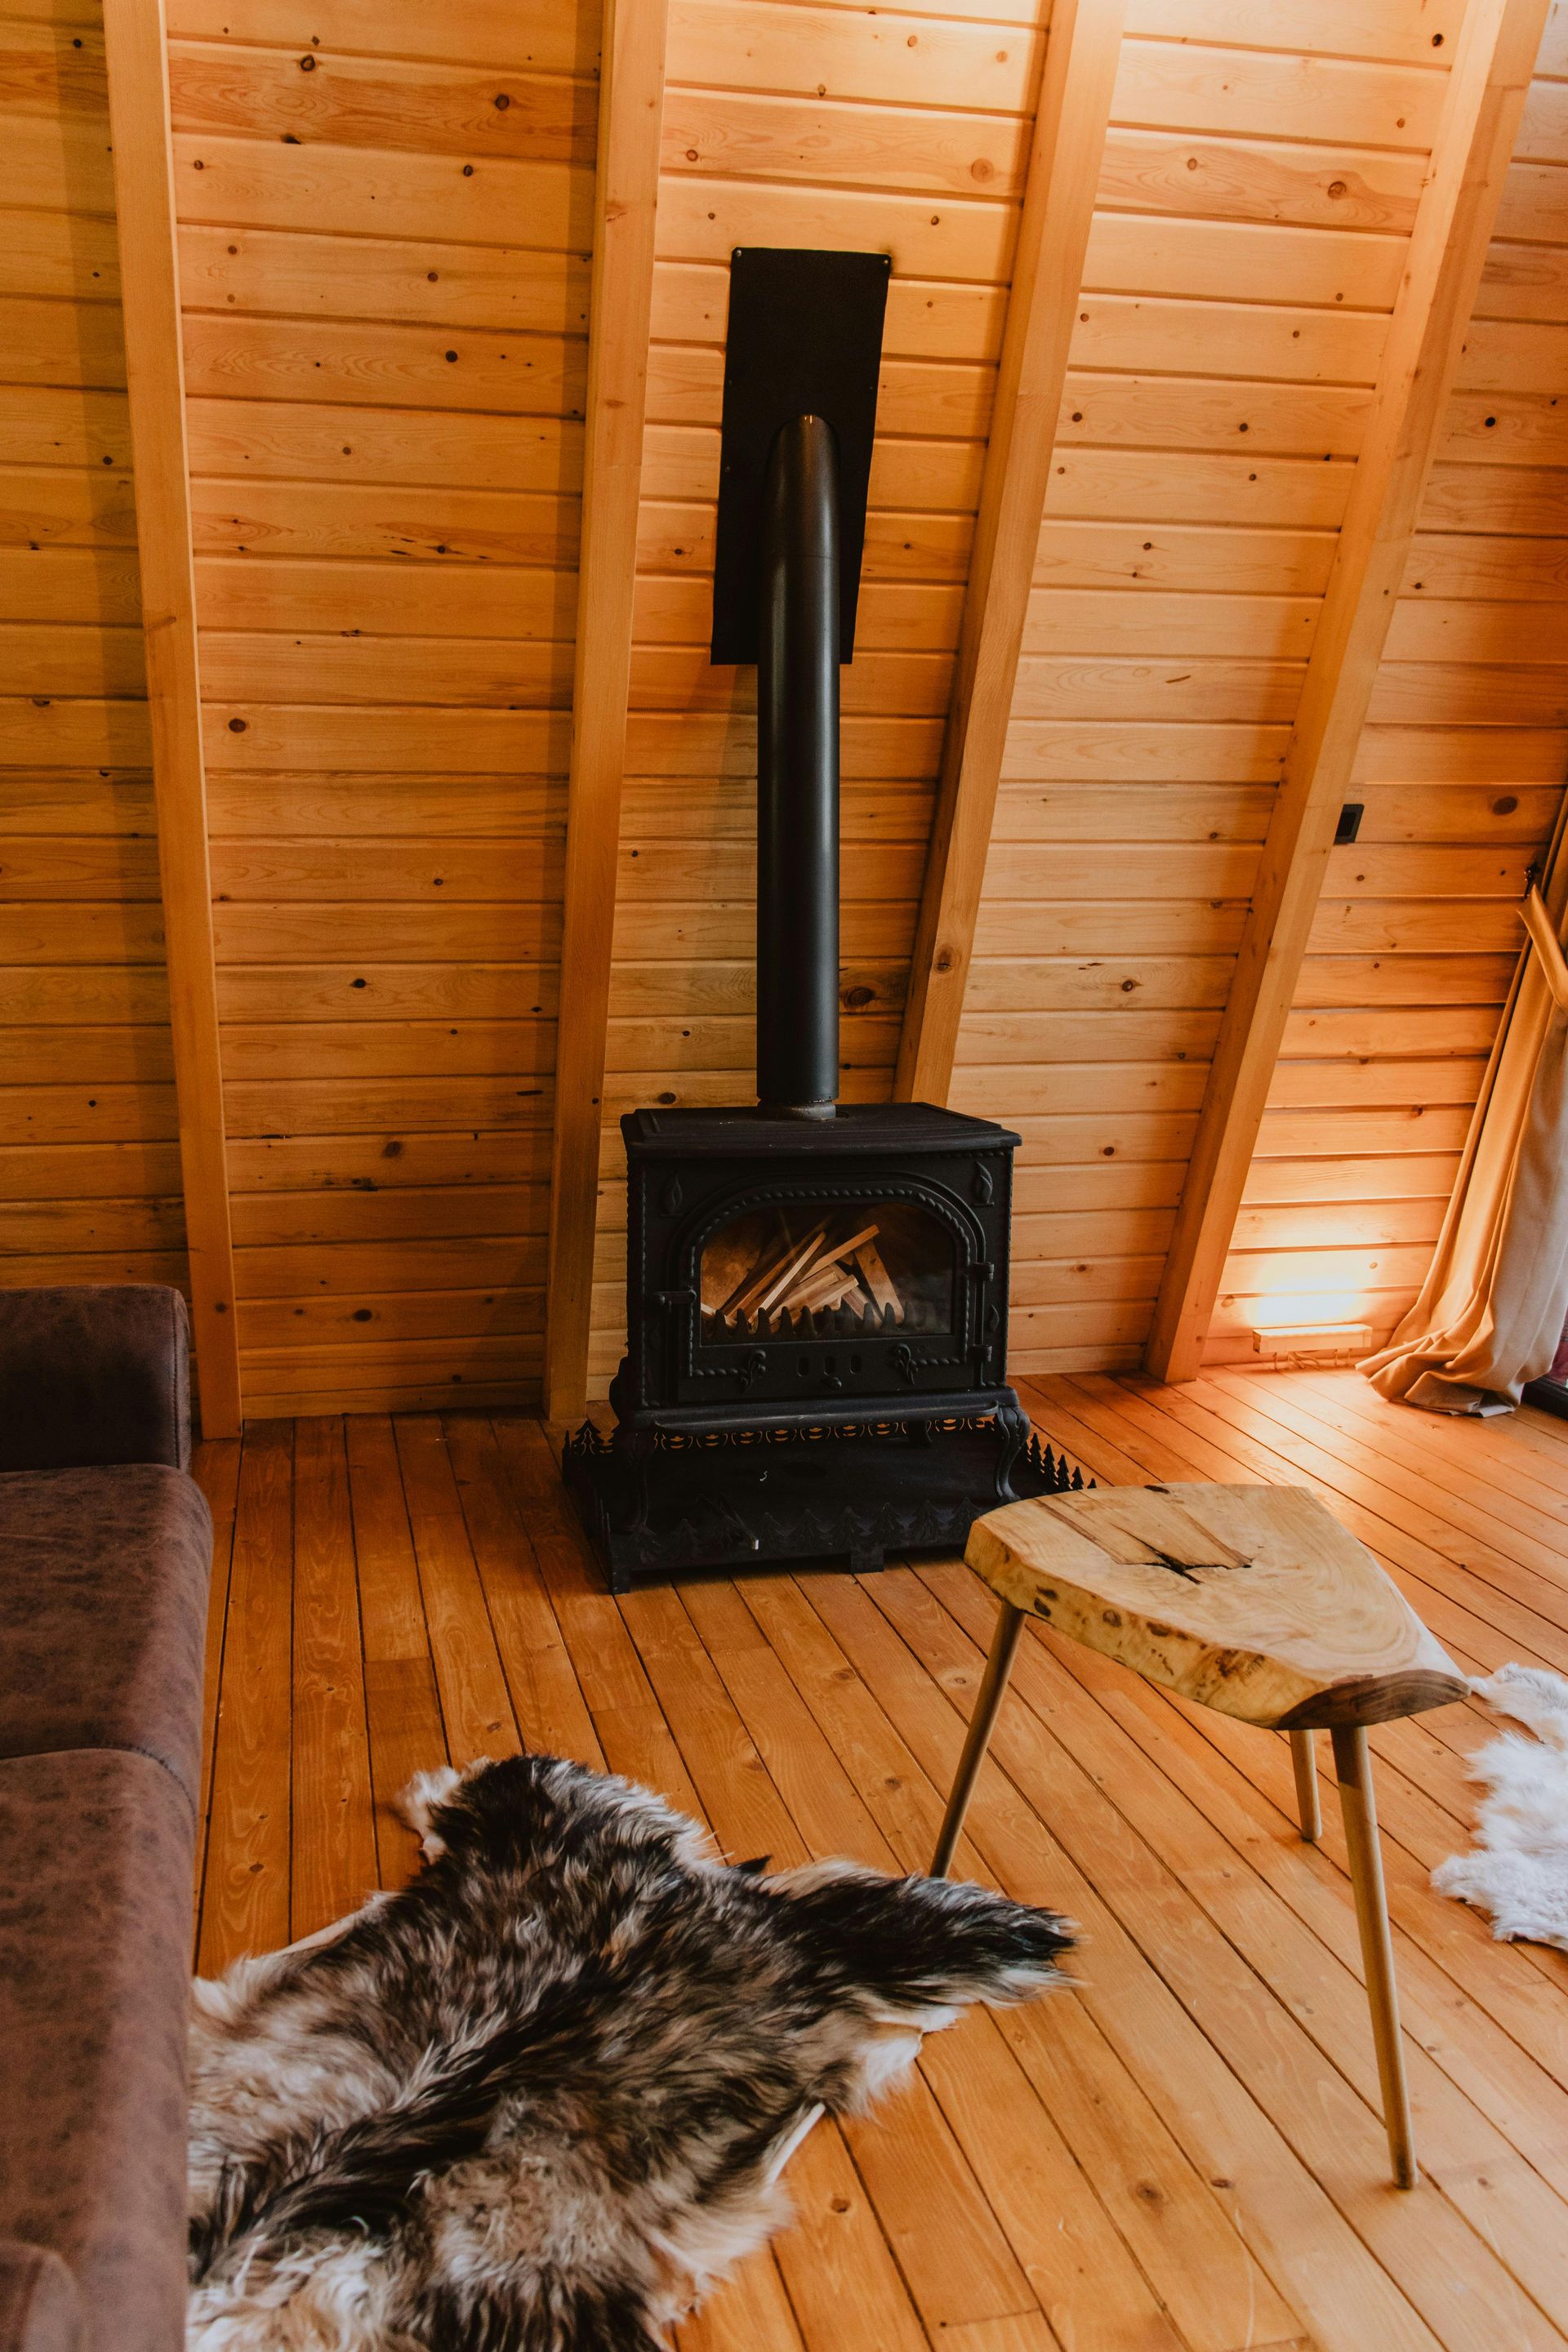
(155, 376)
(1448, 250)
(631, 113)
(1082, 52)
(1543, 938)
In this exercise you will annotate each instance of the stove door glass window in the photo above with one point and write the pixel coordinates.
(829, 1270)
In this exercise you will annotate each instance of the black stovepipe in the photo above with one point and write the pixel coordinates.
(797, 776)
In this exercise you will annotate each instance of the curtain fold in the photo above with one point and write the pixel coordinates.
(1492, 1308)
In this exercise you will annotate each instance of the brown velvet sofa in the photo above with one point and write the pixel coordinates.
(105, 1548)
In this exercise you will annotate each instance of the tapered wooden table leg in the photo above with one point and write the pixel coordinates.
(1352, 1767)
(1310, 1812)
(993, 1685)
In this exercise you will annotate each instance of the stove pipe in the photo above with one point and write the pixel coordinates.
(797, 776)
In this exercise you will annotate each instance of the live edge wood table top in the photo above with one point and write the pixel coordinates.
(1252, 1599)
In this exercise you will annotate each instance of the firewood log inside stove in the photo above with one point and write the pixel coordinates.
(765, 1286)
(874, 1274)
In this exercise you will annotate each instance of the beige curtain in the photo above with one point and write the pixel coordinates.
(1493, 1304)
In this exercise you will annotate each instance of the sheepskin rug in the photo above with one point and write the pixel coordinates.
(539, 2101)
(1518, 1869)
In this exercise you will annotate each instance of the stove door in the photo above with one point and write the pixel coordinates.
(838, 1292)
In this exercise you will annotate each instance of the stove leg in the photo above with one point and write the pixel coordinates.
(868, 1563)
(636, 1447)
(1012, 1437)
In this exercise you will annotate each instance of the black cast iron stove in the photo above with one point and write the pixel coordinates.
(816, 1292)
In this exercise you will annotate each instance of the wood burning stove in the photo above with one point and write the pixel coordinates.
(816, 1292)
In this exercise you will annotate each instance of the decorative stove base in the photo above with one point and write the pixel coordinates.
(653, 1504)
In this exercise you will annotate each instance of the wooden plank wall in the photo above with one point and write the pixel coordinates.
(385, 211)
(1259, 184)
(89, 1170)
(901, 131)
(1460, 770)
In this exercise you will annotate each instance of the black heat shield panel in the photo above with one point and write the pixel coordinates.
(804, 338)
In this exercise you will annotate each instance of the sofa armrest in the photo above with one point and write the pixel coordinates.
(39, 2308)
(90, 1376)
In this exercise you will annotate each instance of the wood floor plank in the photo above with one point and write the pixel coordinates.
(1499, 1444)
(1545, 1433)
(1401, 1536)
(1182, 2154)
(476, 1706)
(1314, 2259)
(949, 2252)
(839, 2240)
(626, 1717)
(392, 1606)
(1433, 1771)
(1483, 1451)
(245, 1900)
(1086, 2248)
(1422, 1468)
(748, 1817)
(332, 1848)
(1430, 1753)
(929, 2197)
(839, 2269)
(1255, 1788)
(1497, 2079)
(1320, 2103)
(402, 1706)
(750, 2309)
(1460, 1584)
(546, 1695)
(404, 1713)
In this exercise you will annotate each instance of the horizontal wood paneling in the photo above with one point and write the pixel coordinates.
(385, 276)
(1254, 205)
(384, 242)
(800, 125)
(1474, 653)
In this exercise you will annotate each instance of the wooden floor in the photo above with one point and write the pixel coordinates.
(1183, 2153)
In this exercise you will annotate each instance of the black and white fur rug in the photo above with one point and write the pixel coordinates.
(539, 2101)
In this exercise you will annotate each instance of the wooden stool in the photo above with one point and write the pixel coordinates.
(1252, 1599)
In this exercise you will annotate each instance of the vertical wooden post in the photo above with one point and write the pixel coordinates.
(155, 361)
(1447, 251)
(1082, 51)
(631, 114)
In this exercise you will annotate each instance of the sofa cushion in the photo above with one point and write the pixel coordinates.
(40, 2310)
(103, 1580)
(96, 1853)
(94, 1372)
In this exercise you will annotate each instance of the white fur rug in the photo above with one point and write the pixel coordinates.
(1518, 1868)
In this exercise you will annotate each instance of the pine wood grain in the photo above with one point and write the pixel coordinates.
(139, 95)
(1446, 256)
(246, 1893)
(1208, 2086)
